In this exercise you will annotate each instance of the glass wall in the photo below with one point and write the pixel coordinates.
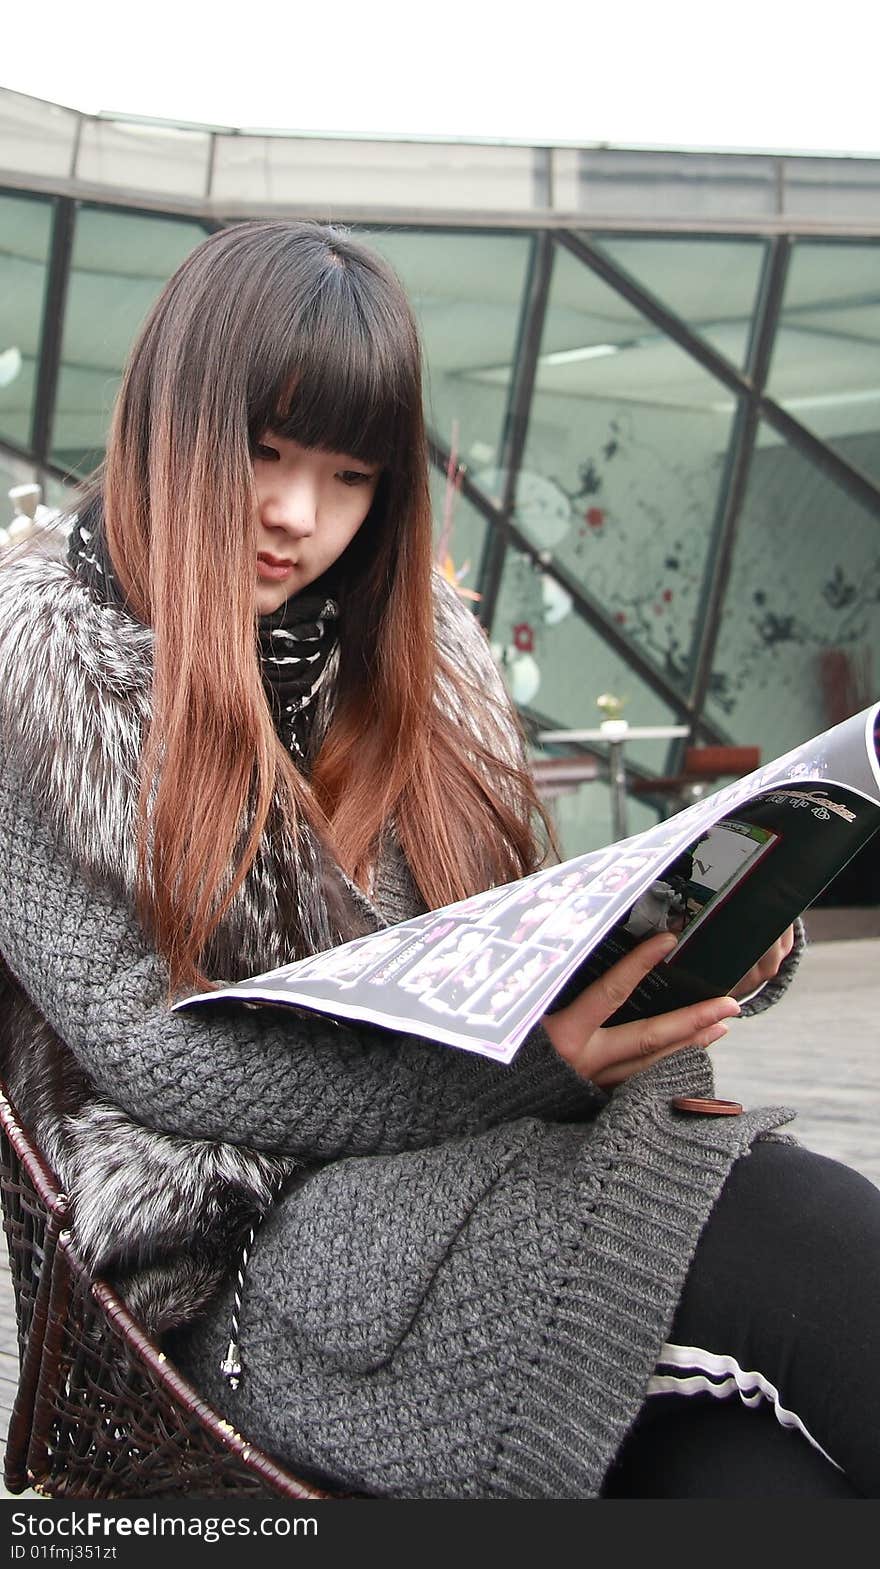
(826, 360)
(642, 495)
(797, 649)
(460, 532)
(119, 265)
(626, 445)
(467, 290)
(711, 284)
(13, 472)
(25, 235)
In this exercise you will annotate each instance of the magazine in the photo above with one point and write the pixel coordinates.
(727, 874)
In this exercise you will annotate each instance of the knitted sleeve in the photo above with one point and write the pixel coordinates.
(772, 991)
(286, 1083)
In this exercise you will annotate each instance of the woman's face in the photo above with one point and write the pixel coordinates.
(310, 506)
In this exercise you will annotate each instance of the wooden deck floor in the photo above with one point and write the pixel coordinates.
(818, 1052)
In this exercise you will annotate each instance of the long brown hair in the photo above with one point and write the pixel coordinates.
(298, 328)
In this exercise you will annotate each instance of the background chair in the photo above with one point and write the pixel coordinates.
(703, 768)
(100, 1411)
(555, 776)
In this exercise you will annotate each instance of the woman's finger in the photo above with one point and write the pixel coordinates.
(603, 998)
(618, 1072)
(578, 1031)
(643, 1039)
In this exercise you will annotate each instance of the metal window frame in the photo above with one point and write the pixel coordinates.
(516, 420)
(736, 475)
(52, 328)
(747, 384)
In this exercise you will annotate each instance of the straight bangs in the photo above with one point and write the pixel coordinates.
(341, 374)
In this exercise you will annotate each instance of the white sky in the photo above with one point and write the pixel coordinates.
(772, 74)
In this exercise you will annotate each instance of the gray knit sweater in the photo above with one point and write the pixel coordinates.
(464, 1287)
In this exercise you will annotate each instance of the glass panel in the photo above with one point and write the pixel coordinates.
(626, 445)
(459, 536)
(119, 265)
(15, 473)
(56, 494)
(826, 361)
(583, 817)
(556, 665)
(12, 472)
(801, 621)
(26, 229)
(467, 291)
(712, 284)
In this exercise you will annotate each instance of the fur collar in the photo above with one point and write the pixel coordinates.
(76, 702)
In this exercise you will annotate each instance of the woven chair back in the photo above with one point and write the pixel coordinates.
(100, 1411)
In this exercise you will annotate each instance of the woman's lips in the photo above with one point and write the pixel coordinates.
(272, 568)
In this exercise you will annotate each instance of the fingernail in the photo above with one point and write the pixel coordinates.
(732, 1003)
(716, 1034)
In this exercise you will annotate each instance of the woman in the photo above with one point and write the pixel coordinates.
(245, 723)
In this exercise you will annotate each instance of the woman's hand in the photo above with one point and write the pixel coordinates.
(608, 1054)
(767, 966)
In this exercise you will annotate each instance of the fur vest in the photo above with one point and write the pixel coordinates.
(157, 1214)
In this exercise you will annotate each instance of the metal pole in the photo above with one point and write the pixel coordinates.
(52, 330)
(617, 775)
(516, 422)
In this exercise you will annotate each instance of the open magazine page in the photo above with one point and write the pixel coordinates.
(729, 870)
(743, 878)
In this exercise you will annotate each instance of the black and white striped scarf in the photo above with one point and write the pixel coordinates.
(295, 642)
(295, 647)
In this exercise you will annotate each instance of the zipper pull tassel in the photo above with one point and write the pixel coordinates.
(230, 1367)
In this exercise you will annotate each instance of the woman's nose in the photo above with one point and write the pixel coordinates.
(291, 506)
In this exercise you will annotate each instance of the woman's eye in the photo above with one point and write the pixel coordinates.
(271, 454)
(354, 477)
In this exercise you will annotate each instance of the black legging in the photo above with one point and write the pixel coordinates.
(785, 1280)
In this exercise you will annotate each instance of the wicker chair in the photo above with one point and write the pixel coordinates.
(100, 1412)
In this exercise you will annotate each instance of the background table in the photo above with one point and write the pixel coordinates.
(616, 732)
